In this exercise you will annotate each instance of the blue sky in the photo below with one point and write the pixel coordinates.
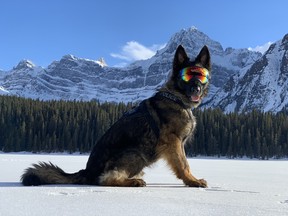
(125, 30)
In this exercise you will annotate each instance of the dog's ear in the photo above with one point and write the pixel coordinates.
(179, 58)
(203, 58)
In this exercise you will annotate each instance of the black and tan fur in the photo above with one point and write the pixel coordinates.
(158, 128)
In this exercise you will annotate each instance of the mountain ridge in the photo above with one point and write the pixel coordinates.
(263, 86)
(233, 76)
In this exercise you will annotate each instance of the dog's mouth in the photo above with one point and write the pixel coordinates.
(195, 98)
(195, 94)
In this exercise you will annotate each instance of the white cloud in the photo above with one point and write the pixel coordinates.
(133, 51)
(120, 56)
(262, 48)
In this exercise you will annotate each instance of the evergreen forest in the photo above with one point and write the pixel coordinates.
(73, 126)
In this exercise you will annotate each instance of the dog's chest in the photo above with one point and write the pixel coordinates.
(190, 124)
(183, 124)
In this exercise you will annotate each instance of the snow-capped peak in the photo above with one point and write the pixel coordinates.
(193, 40)
(101, 62)
(25, 64)
(71, 58)
(193, 28)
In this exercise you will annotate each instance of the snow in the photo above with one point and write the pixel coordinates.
(3, 90)
(271, 77)
(236, 187)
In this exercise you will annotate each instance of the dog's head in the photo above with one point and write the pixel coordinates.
(189, 78)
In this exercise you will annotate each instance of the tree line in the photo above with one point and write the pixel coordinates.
(54, 126)
(73, 126)
(255, 134)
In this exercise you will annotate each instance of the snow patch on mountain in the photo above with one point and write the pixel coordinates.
(3, 91)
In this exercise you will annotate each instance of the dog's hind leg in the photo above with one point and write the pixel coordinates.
(125, 171)
(120, 178)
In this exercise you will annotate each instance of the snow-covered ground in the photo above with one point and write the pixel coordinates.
(236, 187)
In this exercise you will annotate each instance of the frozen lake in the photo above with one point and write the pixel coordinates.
(235, 187)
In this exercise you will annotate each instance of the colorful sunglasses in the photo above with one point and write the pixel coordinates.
(200, 73)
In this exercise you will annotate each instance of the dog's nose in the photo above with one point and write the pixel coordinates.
(196, 89)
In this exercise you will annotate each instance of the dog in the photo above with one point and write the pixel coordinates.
(157, 128)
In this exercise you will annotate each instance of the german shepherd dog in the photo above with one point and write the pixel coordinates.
(158, 128)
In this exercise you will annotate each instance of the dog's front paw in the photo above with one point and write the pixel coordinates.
(137, 183)
(202, 183)
(197, 183)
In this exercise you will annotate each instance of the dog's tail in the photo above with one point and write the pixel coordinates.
(48, 173)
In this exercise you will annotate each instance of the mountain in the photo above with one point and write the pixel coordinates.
(262, 86)
(233, 87)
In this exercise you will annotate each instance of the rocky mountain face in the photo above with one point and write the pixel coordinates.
(262, 86)
(241, 79)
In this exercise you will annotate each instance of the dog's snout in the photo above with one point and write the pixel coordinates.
(195, 89)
